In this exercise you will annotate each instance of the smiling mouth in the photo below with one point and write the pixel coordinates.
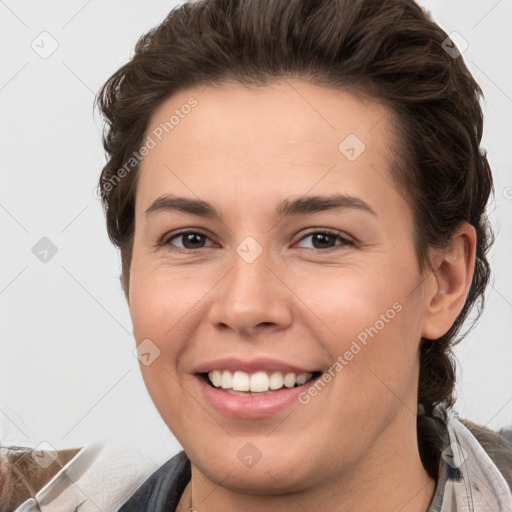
(257, 383)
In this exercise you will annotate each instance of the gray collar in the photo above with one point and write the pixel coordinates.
(469, 481)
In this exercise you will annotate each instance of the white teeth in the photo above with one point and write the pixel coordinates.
(289, 380)
(216, 378)
(240, 381)
(302, 378)
(226, 380)
(258, 382)
(276, 380)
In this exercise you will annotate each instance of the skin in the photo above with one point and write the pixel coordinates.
(353, 446)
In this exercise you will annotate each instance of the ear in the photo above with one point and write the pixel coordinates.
(453, 269)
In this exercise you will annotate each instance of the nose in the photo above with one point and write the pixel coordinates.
(251, 298)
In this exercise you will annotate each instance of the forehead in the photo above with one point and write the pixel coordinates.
(278, 140)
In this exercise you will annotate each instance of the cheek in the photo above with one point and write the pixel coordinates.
(162, 300)
(348, 301)
(371, 325)
(160, 308)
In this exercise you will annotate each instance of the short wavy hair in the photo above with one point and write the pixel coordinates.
(388, 50)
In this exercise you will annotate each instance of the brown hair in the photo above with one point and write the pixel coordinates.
(389, 50)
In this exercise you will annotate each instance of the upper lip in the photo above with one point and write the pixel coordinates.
(252, 365)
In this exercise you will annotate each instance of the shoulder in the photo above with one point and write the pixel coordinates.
(106, 473)
(163, 489)
(23, 472)
(474, 465)
(497, 444)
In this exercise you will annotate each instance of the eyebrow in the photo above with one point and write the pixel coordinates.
(288, 207)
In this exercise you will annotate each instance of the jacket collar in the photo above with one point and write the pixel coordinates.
(469, 481)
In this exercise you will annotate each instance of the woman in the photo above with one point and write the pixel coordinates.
(298, 194)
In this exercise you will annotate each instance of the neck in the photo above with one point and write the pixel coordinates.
(389, 478)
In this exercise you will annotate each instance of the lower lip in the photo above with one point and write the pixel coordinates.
(252, 406)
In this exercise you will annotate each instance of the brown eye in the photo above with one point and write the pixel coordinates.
(326, 240)
(189, 240)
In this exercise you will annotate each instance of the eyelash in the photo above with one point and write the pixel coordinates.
(166, 241)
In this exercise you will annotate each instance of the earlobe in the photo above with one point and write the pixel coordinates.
(453, 273)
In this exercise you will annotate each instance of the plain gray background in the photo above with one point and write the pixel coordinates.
(68, 374)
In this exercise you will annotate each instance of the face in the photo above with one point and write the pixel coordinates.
(264, 281)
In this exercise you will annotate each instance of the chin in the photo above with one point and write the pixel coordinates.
(276, 470)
